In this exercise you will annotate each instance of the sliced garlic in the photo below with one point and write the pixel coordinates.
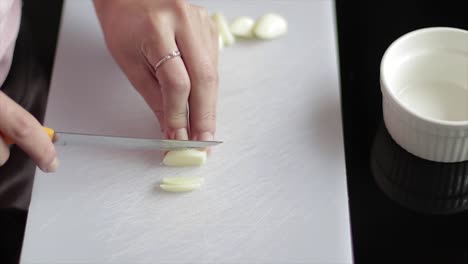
(243, 26)
(220, 42)
(182, 180)
(185, 157)
(228, 37)
(180, 187)
(270, 26)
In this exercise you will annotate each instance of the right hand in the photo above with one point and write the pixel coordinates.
(27, 133)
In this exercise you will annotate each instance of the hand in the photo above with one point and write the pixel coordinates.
(140, 33)
(28, 134)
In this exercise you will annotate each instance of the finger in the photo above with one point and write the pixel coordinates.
(4, 152)
(200, 52)
(175, 85)
(28, 134)
(209, 31)
(213, 38)
(142, 78)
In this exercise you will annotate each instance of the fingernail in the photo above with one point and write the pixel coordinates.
(53, 166)
(181, 134)
(206, 136)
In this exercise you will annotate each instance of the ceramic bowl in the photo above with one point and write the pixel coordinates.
(424, 83)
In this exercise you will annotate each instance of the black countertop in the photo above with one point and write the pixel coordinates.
(383, 231)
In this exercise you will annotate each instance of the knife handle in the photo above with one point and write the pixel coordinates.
(9, 141)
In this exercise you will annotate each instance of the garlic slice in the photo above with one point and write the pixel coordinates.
(180, 187)
(185, 157)
(182, 180)
(243, 26)
(223, 27)
(270, 26)
(220, 42)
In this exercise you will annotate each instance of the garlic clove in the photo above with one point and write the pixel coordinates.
(270, 26)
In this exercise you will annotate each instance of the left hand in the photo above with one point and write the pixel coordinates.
(140, 33)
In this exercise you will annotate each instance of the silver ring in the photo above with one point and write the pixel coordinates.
(174, 54)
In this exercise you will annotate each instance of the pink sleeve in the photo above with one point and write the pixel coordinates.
(10, 17)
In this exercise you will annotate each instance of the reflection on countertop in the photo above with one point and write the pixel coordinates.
(418, 184)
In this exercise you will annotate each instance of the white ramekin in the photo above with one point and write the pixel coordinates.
(424, 83)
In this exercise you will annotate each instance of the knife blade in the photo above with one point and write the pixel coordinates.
(65, 138)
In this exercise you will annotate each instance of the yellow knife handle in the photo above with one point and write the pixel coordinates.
(9, 141)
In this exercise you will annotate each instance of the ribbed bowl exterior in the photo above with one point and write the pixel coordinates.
(423, 138)
(418, 184)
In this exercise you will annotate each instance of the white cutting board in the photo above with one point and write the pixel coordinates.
(275, 191)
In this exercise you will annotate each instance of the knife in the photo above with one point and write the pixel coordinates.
(63, 138)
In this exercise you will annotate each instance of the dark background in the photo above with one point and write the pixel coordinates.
(382, 230)
(29, 77)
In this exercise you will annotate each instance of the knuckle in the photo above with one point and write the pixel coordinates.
(178, 84)
(208, 116)
(23, 127)
(208, 77)
(149, 22)
(205, 121)
(181, 8)
(176, 119)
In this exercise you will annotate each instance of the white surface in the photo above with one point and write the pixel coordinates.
(274, 192)
(425, 88)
